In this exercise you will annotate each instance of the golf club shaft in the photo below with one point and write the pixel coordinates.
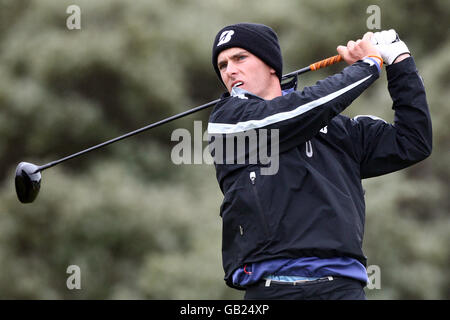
(127, 135)
(315, 66)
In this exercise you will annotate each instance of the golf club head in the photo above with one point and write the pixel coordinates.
(28, 182)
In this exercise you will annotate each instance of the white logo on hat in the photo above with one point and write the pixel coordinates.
(225, 37)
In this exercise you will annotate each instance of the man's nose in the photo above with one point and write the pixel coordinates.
(231, 69)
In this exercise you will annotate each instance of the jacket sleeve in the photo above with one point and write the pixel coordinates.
(382, 147)
(298, 115)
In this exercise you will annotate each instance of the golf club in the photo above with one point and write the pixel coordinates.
(28, 175)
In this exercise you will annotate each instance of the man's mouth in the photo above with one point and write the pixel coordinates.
(236, 84)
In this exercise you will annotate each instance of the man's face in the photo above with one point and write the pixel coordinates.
(237, 65)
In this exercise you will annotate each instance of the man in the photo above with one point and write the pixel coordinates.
(297, 233)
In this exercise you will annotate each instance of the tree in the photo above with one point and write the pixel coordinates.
(135, 223)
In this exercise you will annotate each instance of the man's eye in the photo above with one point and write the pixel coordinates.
(242, 57)
(222, 66)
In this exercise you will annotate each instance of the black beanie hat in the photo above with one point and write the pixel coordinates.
(258, 39)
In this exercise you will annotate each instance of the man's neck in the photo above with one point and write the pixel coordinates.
(273, 91)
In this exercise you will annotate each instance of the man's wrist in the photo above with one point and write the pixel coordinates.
(374, 59)
(401, 57)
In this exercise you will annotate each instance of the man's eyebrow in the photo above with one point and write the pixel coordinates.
(239, 53)
(234, 56)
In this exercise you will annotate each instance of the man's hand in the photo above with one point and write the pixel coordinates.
(391, 48)
(357, 50)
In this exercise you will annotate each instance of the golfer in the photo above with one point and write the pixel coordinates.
(298, 233)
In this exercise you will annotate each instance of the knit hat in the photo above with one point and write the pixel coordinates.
(258, 39)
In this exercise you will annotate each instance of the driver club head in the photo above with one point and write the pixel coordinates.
(28, 182)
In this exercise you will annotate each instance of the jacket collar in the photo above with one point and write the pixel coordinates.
(286, 87)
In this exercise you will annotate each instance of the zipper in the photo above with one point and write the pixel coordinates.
(258, 203)
(309, 149)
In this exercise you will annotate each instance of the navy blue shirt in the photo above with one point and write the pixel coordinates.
(302, 267)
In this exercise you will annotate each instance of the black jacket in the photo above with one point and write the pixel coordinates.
(314, 204)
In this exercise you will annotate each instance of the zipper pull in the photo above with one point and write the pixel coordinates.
(252, 177)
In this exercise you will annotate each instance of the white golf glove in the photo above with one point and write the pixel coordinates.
(389, 45)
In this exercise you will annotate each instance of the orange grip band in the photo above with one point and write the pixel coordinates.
(325, 62)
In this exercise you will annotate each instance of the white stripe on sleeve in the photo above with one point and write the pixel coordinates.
(225, 128)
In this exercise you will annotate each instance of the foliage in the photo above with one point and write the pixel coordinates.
(138, 225)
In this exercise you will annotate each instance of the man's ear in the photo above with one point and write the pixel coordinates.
(272, 71)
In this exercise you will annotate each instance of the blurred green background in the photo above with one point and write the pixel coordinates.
(141, 227)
